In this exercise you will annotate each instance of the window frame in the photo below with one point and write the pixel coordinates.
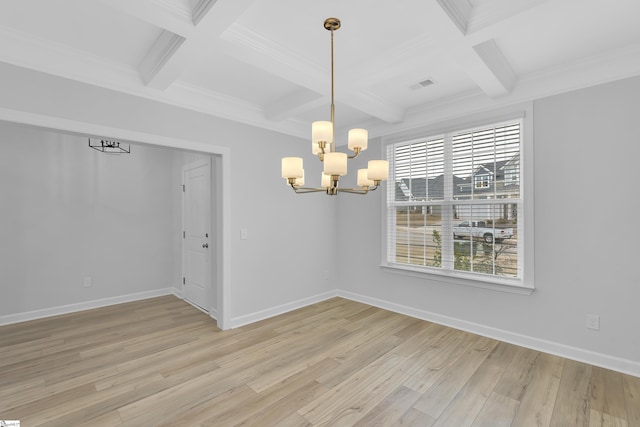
(523, 285)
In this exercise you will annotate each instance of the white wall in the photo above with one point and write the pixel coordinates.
(586, 199)
(70, 212)
(288, 236)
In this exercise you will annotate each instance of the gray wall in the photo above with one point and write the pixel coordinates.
(277, 265)
(586, 196)
(70, 212)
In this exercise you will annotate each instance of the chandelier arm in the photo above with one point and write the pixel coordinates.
(353, 191)
(304, 190)
(364, 190)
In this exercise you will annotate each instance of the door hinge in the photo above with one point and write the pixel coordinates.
(184, 234)
(183, 188)
(184, 281)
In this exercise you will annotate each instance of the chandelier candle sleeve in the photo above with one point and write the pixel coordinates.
(363, 180)
(335, 164)
(326, 181)
(292, 167)
(378, 170)
(358, 138)
(321, 131)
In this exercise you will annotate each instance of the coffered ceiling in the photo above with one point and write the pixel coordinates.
(267, 62)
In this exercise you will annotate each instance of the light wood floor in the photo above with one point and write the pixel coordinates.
(336, 363)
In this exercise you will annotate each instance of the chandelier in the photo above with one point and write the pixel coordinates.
(334, 162)
(110, 147)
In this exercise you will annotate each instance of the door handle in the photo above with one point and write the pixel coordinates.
(205, 245)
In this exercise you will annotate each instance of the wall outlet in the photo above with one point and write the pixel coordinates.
(88, 282)
(593, 322)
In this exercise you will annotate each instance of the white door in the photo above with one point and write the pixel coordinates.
(197, 232)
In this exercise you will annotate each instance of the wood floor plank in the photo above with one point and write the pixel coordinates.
(631, 387)
(439, 396)
(607, 393)
(433, 361)
(572, 406)
(391, 409)
(498, 411)
(540, 394)
(415, 418)
(600, 419)
(336, 363)
(518, 374)
(472, 397)
(346, 403)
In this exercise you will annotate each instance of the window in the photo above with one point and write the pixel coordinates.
(455, 206)
(482, 181)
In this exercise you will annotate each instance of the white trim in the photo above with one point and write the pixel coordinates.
(617, 364)
(524, 285)
(86, 305)
(281, 309)
(492, 283)
(177, 292)
(91, 129)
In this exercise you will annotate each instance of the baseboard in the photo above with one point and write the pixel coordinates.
(581, 355)
(81, 306)
(177, 292)
(284, 308)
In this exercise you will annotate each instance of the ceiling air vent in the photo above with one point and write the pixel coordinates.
(421, 84)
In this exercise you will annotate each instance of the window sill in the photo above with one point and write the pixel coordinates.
(491, 283)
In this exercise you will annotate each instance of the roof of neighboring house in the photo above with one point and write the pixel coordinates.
(433, 188)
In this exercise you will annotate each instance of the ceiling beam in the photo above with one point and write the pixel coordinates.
(492, 72)
(458, 11)
(166, 15)
(172, 53)
(481, 60)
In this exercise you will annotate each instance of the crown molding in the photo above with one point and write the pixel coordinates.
(459, 11)
(176, 8)
(493, 12)
(586, 72)
(200, 9)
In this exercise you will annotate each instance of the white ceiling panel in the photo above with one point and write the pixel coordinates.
(229, 76)
(267, 62)
(84, 26)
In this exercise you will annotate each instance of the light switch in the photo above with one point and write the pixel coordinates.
(244, 234)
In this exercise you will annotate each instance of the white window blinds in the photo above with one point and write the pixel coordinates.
(454, 202)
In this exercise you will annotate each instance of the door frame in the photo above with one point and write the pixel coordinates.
(212, 311)
(223, 173)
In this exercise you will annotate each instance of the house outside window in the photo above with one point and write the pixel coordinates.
(454, 204)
